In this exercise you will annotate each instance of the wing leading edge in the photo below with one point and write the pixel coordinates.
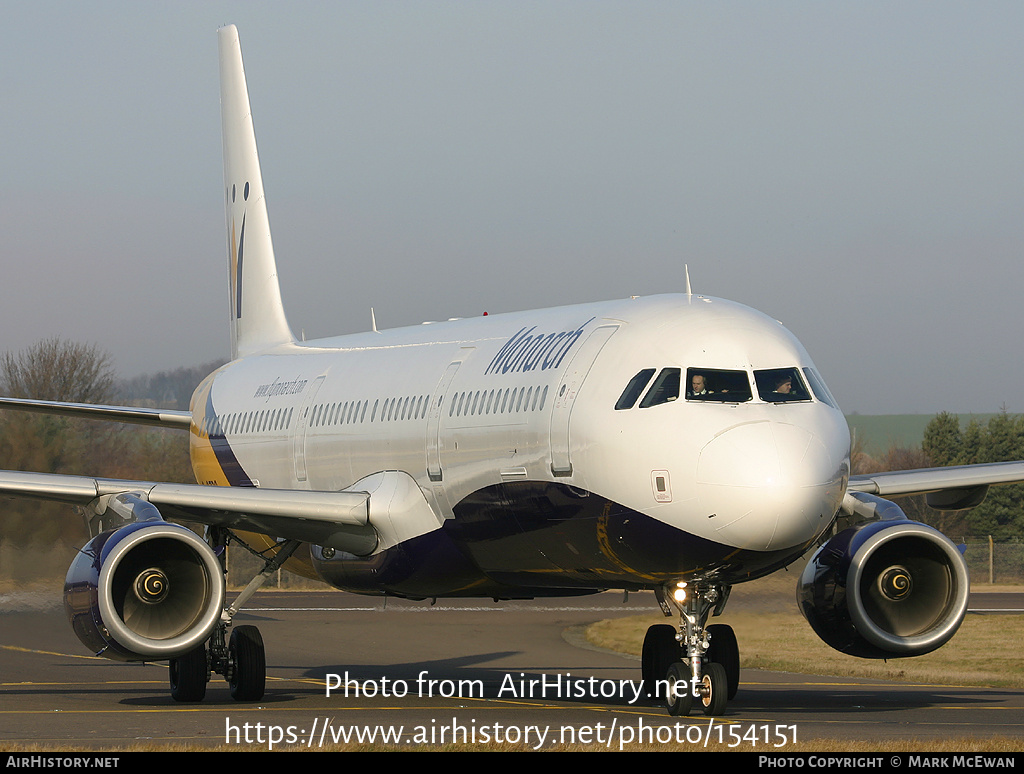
(337, 519)
(129, 414)
(343, 520)
(953, 488)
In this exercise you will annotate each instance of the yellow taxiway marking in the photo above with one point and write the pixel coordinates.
(50, 653)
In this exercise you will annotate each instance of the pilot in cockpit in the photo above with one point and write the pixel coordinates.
(784, 385)
(698, 387)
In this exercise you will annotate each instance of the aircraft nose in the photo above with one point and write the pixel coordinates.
(769, 485)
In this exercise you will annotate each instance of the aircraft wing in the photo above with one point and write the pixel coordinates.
(337, 519)
(131, 414)
(950, 488)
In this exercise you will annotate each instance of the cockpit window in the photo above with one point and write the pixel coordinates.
(664, 389)
(709, 384)
(781, 385)
(636, 386)
(819, 388)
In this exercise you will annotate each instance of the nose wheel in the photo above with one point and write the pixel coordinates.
(725, 650)
(694, 663)
(661, 651)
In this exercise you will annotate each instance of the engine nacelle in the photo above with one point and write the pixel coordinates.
(885, 589)
(148, 591)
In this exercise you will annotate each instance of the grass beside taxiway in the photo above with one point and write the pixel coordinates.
(985, 651)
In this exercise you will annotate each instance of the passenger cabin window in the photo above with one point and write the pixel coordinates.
(717, 386)
(631, 394)
(664, 389)
(781, 385)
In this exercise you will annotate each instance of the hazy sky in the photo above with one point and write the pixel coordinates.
(853, 169)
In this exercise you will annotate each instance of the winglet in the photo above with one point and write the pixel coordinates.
(258, 321)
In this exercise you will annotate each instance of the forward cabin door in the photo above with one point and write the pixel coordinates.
(437, 403)
(565, 395)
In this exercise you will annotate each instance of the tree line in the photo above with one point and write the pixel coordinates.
(61, 370)
(946, 442)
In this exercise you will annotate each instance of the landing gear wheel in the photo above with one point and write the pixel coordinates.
(188, 676)
(714, 689)
(724, 650)
(679, 696)
(661, 650)
(249, 664)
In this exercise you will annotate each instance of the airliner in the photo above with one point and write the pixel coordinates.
(675, 443)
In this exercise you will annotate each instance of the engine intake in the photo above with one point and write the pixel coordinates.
(147, 591)
(885, 589)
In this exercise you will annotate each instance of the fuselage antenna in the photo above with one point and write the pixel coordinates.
(686, 268)
(373, 320)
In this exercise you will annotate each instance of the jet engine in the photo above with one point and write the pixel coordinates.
(147, 591)
(885, 589)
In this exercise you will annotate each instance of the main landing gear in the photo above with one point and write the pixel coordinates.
(240, 657)
(694, 663)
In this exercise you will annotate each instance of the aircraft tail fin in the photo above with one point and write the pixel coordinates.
(257, 314)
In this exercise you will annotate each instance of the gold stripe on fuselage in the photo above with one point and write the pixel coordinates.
(208, 470)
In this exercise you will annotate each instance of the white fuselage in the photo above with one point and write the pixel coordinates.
(508, 425)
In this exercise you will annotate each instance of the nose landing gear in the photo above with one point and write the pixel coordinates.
(693, 662)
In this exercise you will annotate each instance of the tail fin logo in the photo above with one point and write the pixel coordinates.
(237, 250)
(252, 271)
